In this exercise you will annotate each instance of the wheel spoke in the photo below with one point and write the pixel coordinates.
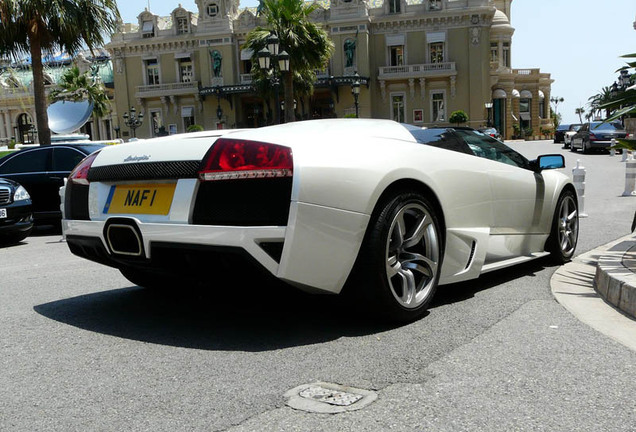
(407, 280)
(420, 264)
(418, 233)
(393, 266)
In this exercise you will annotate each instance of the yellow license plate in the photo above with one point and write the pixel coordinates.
(153, 199)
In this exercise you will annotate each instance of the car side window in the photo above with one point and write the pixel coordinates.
(489, 148)
(26, 162)
(65, 159)
(442, 138)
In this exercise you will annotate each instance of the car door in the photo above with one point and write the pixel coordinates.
(63, 160)
(579, 137)
(518, 192)
(30, 169)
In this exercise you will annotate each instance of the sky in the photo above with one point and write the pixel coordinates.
(578, 42)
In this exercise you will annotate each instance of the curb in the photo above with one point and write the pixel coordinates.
(614, 280)
(573, 287)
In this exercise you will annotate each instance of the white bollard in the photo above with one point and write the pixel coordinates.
(578, 178)
(612, 150)
(630, 177)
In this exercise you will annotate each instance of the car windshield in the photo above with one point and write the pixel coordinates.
(606, 126)
(575, 127)
(563, 127)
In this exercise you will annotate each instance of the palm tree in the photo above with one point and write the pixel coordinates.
(601, 98)
(45, 26)
(580, 111)
(307, 44)
(75, 86)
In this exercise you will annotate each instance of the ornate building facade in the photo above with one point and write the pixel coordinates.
(419, 60)
(17, 109)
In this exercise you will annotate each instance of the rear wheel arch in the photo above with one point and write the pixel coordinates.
(415, 186)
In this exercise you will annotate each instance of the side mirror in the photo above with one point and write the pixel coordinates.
(544, 162)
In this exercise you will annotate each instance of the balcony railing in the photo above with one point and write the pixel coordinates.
(155, 90)
(417, 71)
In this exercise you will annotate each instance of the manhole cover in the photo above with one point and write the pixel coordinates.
(328, 398)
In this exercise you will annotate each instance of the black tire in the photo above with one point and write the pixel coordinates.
(572, 148)
(399, 263)
(565, 228)
(585, 148)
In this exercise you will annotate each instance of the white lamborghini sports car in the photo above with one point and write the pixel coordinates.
(384, 210)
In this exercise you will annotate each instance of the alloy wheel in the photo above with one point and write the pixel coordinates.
(412, 255)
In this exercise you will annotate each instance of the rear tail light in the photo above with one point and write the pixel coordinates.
(230, 159)
(80, 172)
(592, 137)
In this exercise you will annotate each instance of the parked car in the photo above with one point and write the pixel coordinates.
(567, 136)
(387, 210)
(41, 170)
(16, 218)
(491, 131)
(596, 136)
(559, 133)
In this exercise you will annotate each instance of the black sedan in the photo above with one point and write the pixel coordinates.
(559, 133)
(596, 136)
(16, 220)
(41, 170)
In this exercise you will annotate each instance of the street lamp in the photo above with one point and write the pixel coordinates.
(132, 120)
(219, 110)
(355, 90)
(274, 63)
(488, 106)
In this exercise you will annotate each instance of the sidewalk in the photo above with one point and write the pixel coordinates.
(599, 288)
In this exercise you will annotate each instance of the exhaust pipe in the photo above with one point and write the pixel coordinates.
(123, 239)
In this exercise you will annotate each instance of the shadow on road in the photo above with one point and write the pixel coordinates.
(255, 317)
(260, 318)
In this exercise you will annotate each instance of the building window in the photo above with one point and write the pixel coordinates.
(398, 108)
(152, 72)
(397, 55)
(187, 114)
(437, 107)
(212, 9)
(185, 70)
(434, 4)
(437, 52)
(494, 52)
(148, 29)
(506, 54)
(108, 129)
(394, 6)
(182, 25)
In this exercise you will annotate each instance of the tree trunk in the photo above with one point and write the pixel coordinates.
(288, 80)
(39, 95)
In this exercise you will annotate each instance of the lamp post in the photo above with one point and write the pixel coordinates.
(132, 120)
(219, 110)
(274, 63)
(355, 90)
(488, 106)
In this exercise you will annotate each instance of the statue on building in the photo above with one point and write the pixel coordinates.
(260, 7)
(216, 63)
(350, 52)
